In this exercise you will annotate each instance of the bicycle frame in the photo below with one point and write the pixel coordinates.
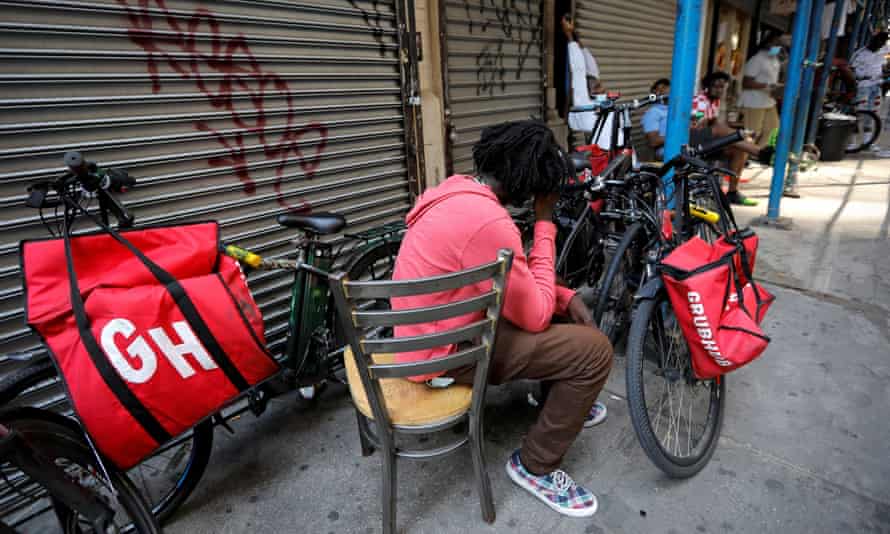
(309, 303)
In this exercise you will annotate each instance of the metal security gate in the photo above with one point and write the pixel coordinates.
(492, 69)
(232, 110)
(633, 43)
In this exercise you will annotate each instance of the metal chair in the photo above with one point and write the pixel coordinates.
(400, 406)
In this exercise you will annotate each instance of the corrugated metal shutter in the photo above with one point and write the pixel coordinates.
(229, 110)
(633, 43)
(493, 69)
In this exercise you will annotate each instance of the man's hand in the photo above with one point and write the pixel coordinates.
(544, 203)
(578, 311)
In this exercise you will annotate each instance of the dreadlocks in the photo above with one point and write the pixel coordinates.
(523, 156)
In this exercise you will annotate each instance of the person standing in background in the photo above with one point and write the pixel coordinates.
(761, 79)
(868, 66)
(584, 80)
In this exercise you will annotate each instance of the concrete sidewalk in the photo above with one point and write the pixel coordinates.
(805, 447)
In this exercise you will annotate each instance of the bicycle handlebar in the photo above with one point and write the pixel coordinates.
(691, 156)
(715, 145)
(91, 178)
(611, 104)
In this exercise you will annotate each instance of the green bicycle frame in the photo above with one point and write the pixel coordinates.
(309, 302)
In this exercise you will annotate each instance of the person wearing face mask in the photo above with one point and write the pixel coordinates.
(761, 79)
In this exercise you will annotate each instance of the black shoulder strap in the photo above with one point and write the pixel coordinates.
(112, 379)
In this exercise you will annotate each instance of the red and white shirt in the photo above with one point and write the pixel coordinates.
(701, 102)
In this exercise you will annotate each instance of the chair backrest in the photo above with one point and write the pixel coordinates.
(475, 341)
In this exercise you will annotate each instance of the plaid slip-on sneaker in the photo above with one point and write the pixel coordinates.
(557, 490)
(596, 415)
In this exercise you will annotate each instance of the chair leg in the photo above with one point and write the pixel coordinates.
(363, 429)
(389, 492)
(482, 481)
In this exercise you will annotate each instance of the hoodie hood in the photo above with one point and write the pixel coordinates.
(459, 184)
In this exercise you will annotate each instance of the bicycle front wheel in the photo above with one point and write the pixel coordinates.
(166, 478)
(866, 132)
(55, 440)
(677, 418)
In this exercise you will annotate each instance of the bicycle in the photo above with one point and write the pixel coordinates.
(621, 119)
(313, 349)
(868, 125)
(40, 449)
(662, 390)
(580, 229)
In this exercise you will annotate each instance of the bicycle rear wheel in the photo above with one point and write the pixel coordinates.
(677, 418)
(166, 478)
(616, 288)
(374, 263)
(866, 132)
(53, 437)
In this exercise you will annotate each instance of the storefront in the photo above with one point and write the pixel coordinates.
(235, 113)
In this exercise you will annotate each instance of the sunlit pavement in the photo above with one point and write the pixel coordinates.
(805, 446)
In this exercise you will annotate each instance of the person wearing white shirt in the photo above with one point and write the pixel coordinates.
(868, 66)
(761, 78)
(584, 74)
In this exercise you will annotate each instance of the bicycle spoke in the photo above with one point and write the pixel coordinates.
(680, 411)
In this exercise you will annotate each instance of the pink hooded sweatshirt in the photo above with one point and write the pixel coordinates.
(461, 224)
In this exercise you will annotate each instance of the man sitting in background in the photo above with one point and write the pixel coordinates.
(704, 129)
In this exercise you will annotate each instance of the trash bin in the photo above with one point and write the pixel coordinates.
(834, 133)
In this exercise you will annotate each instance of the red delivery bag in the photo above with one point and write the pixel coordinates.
(747, 254)
(152, 330)
(719, 314)
(599, 158)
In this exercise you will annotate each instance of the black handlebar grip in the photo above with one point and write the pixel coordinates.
(83, 170)
(714, 145)
(73, 159)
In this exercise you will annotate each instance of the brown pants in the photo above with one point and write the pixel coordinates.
(574, 360)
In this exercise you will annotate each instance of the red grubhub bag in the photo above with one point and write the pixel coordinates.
(718, 306)
(151, 329)
(716, 300)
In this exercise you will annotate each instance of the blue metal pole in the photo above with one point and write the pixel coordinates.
(830, 52)
(682, 77)
(792, 88)
(806, 89)
(865, 29)
(853, 42)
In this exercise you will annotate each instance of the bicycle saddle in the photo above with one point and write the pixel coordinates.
(318, 223)
(581, 160)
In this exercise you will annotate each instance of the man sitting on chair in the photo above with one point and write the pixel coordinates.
(463, 223)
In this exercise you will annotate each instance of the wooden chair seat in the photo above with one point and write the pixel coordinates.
(408, 403)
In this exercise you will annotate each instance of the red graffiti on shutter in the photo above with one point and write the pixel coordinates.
(224, 70)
